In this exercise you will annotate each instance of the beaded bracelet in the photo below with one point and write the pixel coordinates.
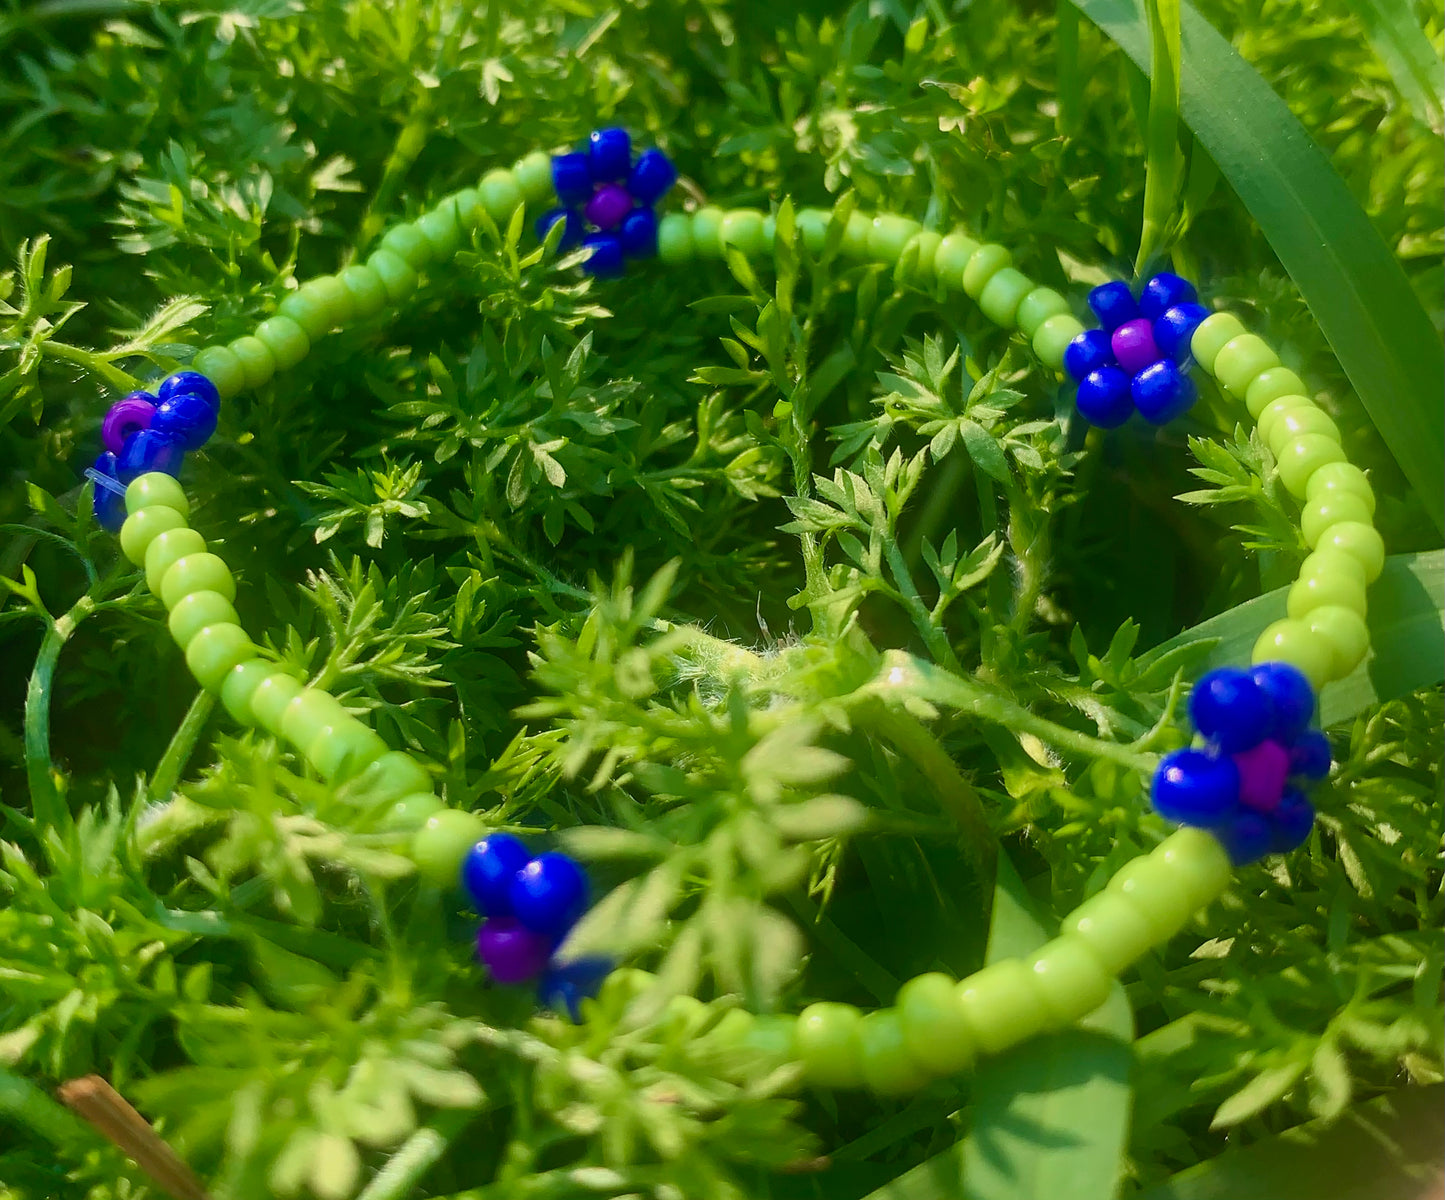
(1238, 795)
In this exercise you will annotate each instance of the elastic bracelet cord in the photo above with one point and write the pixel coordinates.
(1239, 793)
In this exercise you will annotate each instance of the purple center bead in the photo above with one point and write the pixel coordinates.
(126, 417)
(1133, 346)
(1263, 771)
(609, 204)
(510, 951)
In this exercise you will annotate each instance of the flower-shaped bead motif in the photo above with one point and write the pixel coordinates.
(606, 200)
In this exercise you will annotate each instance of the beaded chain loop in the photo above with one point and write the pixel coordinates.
(1240, 794)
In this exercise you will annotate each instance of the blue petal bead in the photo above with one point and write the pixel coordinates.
(1087, 353)
(1310, 755)
(189, 383)
(1292, 822)
(1247, 838)
(149, 450)
(572, 178)
(1175, 329)
(107, 506)
(1103, 398)
(1164, 292)
(186, 417)
(549, 894)
(606, 261)
(1161, 392)
(639, 233)
(566, 985)
(1113, 303)
(489, 870)
(1227, 706)
(651, 178)
(1195, 788)
(1291, 695)
(610, 152)
(571, 235)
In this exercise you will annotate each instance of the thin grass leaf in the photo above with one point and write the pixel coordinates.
(1161, 180)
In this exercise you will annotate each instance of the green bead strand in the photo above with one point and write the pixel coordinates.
(827, 1043)
(1002, 295)
(1294, 642)
(439, 846)
(1070, 979)
(501, 195)
(1303, 421)
(986, 262)
(1241, 361)
(1319, 590)
(1319, 515)
(1270, 385)
(165, 550)
(258, 364)
(674, 239)
(1002, 1006)
(813, 224)
(915, 263)
(367, 292)
(410, 813)
(201, 572)
(240, 685)
(1341, 479)
(883, 1058)
(1150, 886)
(952, 259)
(1301, 457)
(707, 231)
(855, 235)
(392, 776)
(1211, 336)
(442, 231)
(888, 235)
(222, 368)
(142, 527)
(1052, 338)
(397, 275)
(533, 173)
(935, 1030)
(1344, 631)
(410, 245)
(1113, 929)
(1275, 412)
(343, 750)
(195, 612)
(286, 340)
(1197, 862)
(1037, 307)
(156, 488)
(743, 228)
(215, 650)
(1361, 542)
(269, 700)
(309, 712)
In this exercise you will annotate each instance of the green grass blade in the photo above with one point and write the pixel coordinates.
(1347, 274)
(1161, 143)
(1408, 55)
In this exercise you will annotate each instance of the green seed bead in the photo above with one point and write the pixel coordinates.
(934, 1027)
(888, 235)
(442, 842)
(533, 173)
(1299, 458)
(770, 230)
(396, 274)
(1301, 422)
(813, 223)
(467, 204)
(915, 264)
(771, 1039)
(855, 235)
(1197, 862)
(196, 573)
(408, 243)
(1319, 515)
(222, 368)
(827, 1043)
(143, 527)
(240, 685)
(392, 776)
(215, 651)
(888, 1069)
(1071, 981)
(1241, 361)
(156, 488)
(674, 239)
(1329, 561)
(952, 258)
(286, 340)
(195, 612)
(1345, 632)
(1052, 338)
(501, 194)
(1361, 542)
(743, 228)
(1210, 338)
(1271, 385)
(410, 813)
(310, 312)
(987, 261)
(1002, 295)
(1113, 929)
(1334, 479)
(1323, 590)
(269, 700)
(342, 751)
(1002, 1006)
(167, 549)
(1037, 307)
(707, 231)
(1155, 894)
(368, 293)
(1275, 412)
(310, 711)
(1296, 643)
(442, 231)
(256, 360)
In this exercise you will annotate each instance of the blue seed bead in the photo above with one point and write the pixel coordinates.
(651, 178)
(1175, 329)
(107, 506)
(1103, 398)
(1291, 696)
(186, 417)
(189, 383)
(549, 894)
(1161, 392)
(490, 868)
(1113, 303)
(1292, 822)
(563, 987)
(606, 261)
(1247, 838)
(610, 154)
(639, 233)
(1229, 707)
(572, 178)
(571, 235)
(1310, 755)
(1087, 353)
(146, 451)
(1164, 292)
(1195, 788)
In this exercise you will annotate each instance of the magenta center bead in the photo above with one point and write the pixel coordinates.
(609, 204)
(511, 952)
(126, 417)
(1133, 346)
(1262, 775)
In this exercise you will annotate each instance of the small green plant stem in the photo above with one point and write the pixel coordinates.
(418, 1154)
(45, 804)
(877, 979)
(173, 762)
(93, 362)
(409, 144)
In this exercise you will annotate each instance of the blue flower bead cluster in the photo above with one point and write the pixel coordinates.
(606, 199)
(529, 905)
(1247, 786)
(151, 432)
(1137, 360)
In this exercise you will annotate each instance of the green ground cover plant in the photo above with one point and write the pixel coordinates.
(625, 561)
